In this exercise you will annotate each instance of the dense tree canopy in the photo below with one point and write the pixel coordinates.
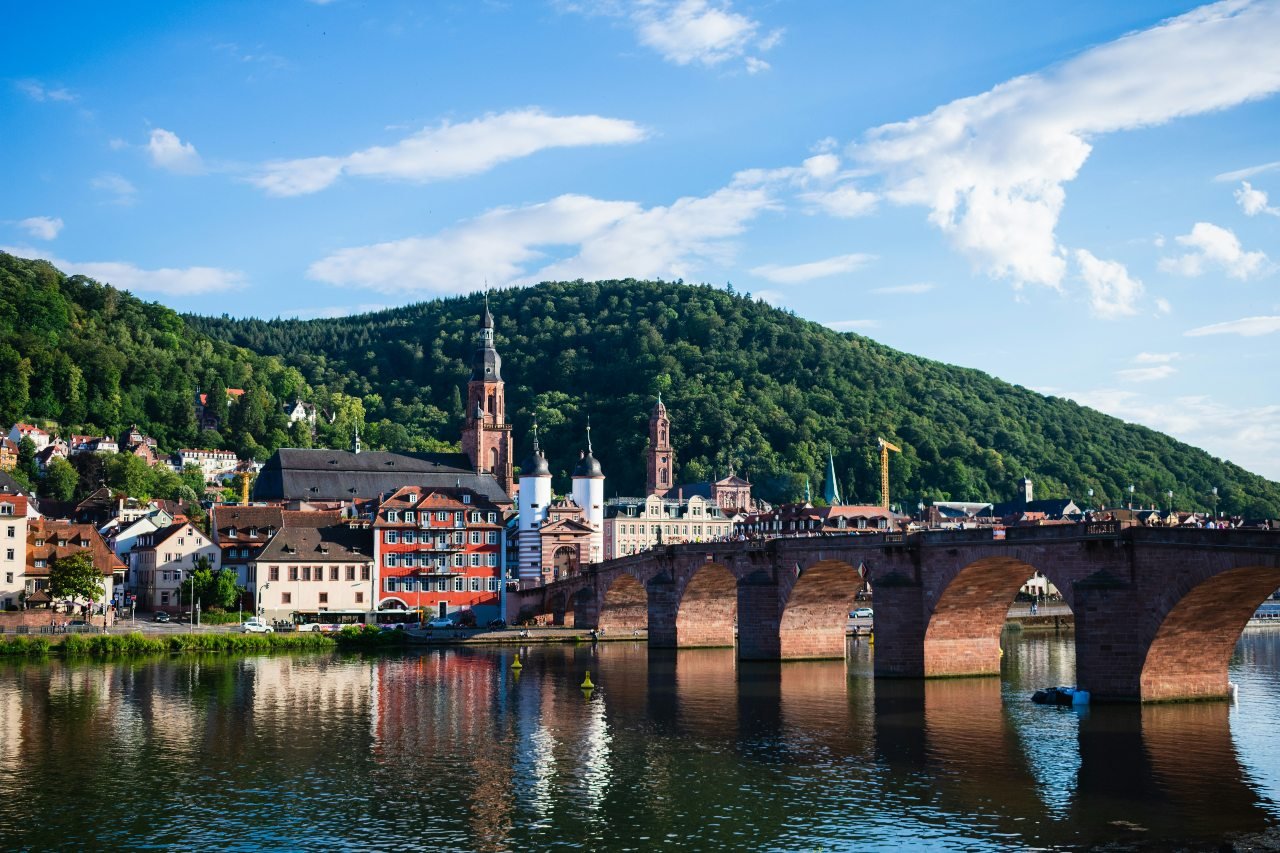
(747, 386)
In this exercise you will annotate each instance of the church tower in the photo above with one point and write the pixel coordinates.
(661, 464)
(486, 435)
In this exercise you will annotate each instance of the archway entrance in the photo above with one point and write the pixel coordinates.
(708, 609)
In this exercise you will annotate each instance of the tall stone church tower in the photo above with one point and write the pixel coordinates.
(661, 464)
(486, 435)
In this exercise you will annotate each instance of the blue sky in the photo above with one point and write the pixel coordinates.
(1081, 199)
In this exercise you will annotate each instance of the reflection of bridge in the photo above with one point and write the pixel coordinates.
(1158, 612)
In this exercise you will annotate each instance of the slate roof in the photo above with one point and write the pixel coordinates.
(337, 543)
(340, 475)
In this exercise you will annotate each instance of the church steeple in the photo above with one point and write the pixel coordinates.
(661, 462)
(486, 435)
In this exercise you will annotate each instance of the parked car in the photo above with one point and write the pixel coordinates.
(862, 613)
(162, 616)
(442, 622)
(257, 626)
(498, 623)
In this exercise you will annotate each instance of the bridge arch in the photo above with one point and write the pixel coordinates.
(624, 607)
(1192, 647)
(962, 635)
(707, 610)
(815, 614)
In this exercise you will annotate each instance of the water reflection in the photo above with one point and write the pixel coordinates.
(453, 749)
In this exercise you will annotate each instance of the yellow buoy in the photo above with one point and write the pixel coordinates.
(586, 682)
(515, 664)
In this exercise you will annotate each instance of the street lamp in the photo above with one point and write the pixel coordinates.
(258, 609)
(1131, 496)
(1215, 501)
(1091, 498)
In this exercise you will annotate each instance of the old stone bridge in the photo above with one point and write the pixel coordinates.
(1158, 612)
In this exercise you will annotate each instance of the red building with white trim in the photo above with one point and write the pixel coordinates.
(440, 550)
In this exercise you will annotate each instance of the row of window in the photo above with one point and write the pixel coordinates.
(408, 537)
(287, 598)
(411, 517)
(393, 561)
(441, 584)
(309, 573)
(674, 529)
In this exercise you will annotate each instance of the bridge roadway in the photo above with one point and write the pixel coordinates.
(1157, 611)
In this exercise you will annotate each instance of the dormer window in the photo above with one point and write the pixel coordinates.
(392, 516)
(466, 497)
(6, 509)
(231, 531)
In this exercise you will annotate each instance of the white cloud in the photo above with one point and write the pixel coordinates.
(1249, 327)
(1147, 374)
(904, 289)
(37, 91)
(1113, 292)
(992, 168)
(1156, 357)
(606, 239)
(798, 273)
(169, 152)
(1162, 306)
(845, 201)
(1249, 172)
(450, 150)
(1213, 245)
(121, 191)
(1253, 201)
(772, 297)
(756, 65)
(41, 227)
(1248, 436)
(851, 325)
(696, 31)
(820, 182)
(170, 281)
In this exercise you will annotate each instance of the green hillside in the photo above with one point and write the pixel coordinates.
(747, 385)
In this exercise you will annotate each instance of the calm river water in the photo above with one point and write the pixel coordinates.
(449, 749)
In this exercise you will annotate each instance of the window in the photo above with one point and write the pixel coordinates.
(8, 577)
(12, 531)
(39, 564)
(457, 559)
(457, 584)
(493, 537)
(306, 573)
(392, 537)
(273, 573)
(475, 584)
(457, 537)
(442, 516)
(359, 598)
(393, 584)
(392, 516)
(333, 573)
(182, 540)
(365, 572)
(164, 597)
(475, 537)
(466, 497)
(457, 518)
(407, 584)
(493, 559)
(324, 598)
(493, 584)
(409, 538)
(252, 574)
(293, 573)
(410, 517)
(392, 560)
(351, 573)
(475, 559)
(286, 598)
(8, 554)
(493, 518)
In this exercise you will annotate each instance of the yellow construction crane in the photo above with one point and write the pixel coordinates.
(244, 488)
(885, 447)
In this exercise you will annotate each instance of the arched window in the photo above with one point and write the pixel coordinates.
(493, 459)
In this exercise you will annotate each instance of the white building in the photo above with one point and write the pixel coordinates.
(13, 548)
(38, 436)
(535, 499)
(210, 462)
(632, 525)
(304, 572)
(164, 559)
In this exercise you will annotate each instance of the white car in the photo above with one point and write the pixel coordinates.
(862, 613)
(442, 623)
(257, 626)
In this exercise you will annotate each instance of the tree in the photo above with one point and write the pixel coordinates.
(200, 581)
(75, 577)
(60, 479)
(225, 592)
(15, 377)
(129, 474)
(27, 459)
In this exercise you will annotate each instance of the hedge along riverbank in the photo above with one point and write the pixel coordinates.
(114, 645)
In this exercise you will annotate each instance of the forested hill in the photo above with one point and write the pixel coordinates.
(748, 386)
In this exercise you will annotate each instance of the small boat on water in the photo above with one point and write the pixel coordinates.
(1266, 616)
(1060, 696)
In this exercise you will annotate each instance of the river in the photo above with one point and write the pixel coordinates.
(452, 749)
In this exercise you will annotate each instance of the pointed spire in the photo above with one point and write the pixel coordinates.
(831, 493)
(535, 434)
(589, 436)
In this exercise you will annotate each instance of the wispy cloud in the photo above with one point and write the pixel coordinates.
(1253, 201)
(170, 153)
(37, 91)
(1147, 374)
(1113, 292)
(1248, 172)
(119, 190)
(1214, 246)
(904, 289)
(851, 325)
(1156, 357)
(449, 150)
(992, 168)
(41, 227)
(1249, 327)
(821, 184)
(604, 239)
(825, 268)
(170, 281)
